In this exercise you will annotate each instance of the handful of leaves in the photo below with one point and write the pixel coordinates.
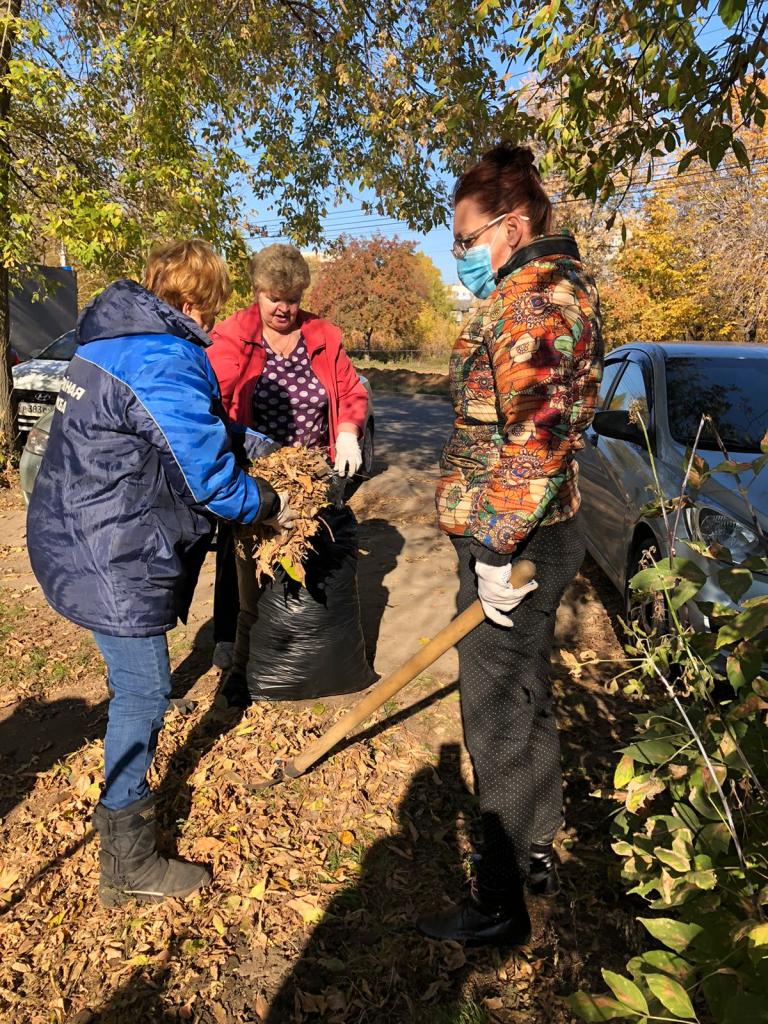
(304, 474)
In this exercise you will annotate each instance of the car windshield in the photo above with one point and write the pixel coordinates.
(733, 390)
(62, 348)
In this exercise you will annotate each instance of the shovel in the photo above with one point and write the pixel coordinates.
(522, 572)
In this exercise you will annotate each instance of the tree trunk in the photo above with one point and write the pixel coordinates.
(7, 426)
(367, 341)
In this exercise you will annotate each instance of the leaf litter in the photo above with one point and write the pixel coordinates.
(314, 878)
(305, 475)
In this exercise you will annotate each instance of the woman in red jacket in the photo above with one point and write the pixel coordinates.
(285, 370)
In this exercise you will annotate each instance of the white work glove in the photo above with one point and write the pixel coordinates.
(284, 520)
(349, 458)
(495, 593)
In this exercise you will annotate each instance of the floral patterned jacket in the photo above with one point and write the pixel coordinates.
(524, 378)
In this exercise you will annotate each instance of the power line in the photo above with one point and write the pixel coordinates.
(658, 184)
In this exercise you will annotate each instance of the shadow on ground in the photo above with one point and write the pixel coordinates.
(380, 545)
(37, 735)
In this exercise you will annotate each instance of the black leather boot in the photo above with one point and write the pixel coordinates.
(487, 917)
(543, 879)
(131, 867)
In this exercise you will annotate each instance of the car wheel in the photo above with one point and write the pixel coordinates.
(646, 611)
(367, 450)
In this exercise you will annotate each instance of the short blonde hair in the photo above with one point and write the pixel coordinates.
(181, 272)
(280, 269)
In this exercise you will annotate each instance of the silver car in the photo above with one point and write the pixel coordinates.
(672, 385)
(36, 381)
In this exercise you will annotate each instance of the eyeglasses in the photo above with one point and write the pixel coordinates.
(463, 243)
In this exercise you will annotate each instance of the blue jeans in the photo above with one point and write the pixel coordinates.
(140, 681)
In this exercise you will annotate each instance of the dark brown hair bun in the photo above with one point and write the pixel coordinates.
(507, 155)
(506, 178)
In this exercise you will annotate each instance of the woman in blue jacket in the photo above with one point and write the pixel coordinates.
(140, 464)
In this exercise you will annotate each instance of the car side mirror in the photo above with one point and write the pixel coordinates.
(615, 423)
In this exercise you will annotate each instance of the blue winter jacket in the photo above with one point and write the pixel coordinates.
(139, 464)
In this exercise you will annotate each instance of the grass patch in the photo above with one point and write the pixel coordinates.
(467, 1012)
(422, 364)
(32, 668)
(404, 380)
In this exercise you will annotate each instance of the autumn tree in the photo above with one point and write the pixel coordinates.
(695, 264)
(376, 289)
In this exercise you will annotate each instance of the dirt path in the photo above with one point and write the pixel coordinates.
(317, 882)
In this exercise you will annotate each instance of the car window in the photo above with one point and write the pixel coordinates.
(610, 373)
(631, 388)
(62, 348)
(732, 390)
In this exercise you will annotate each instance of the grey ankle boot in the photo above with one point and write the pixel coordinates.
(131, 867)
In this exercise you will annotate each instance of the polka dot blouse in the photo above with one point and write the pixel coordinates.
(290, 404)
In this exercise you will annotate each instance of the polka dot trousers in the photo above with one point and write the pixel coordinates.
(506, 704)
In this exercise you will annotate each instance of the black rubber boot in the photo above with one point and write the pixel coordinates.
(543, 879)
(486, 918)
(131, 867)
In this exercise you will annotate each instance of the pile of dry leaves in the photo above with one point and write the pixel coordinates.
(304, 475)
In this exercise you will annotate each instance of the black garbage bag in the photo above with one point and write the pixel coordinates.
(307, 641)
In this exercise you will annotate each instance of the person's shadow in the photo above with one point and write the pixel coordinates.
(367, 951)
(38, 734)
(379, 545)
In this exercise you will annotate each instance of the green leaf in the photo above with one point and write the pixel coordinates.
(702, 879)
(683, 592)
(626, 991)
(642, 790)
(740, 152)
(623, 849)
(597, 1008)
(671, 994)
(625, 771)
(674, 934)
(650, 751)
(667, 963)
(664, 576)
(746, 624)
(731, 468)
(735, 581)
(730, 11)
(744, 664)
(676, 861)
(290, 569)
(685, 163)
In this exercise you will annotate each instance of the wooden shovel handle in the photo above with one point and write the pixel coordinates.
(522, 572)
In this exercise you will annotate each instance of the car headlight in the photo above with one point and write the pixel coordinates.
(717, 529)
(37, 441)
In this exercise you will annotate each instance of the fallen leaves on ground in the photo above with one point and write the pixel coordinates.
(317, 885)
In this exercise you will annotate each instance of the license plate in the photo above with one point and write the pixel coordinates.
(33, 410)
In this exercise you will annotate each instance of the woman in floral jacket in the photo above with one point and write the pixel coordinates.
(524, 378)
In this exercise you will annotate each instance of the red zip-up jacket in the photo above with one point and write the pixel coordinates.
(238, 355)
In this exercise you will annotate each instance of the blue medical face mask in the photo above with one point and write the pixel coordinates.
(475, 271)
